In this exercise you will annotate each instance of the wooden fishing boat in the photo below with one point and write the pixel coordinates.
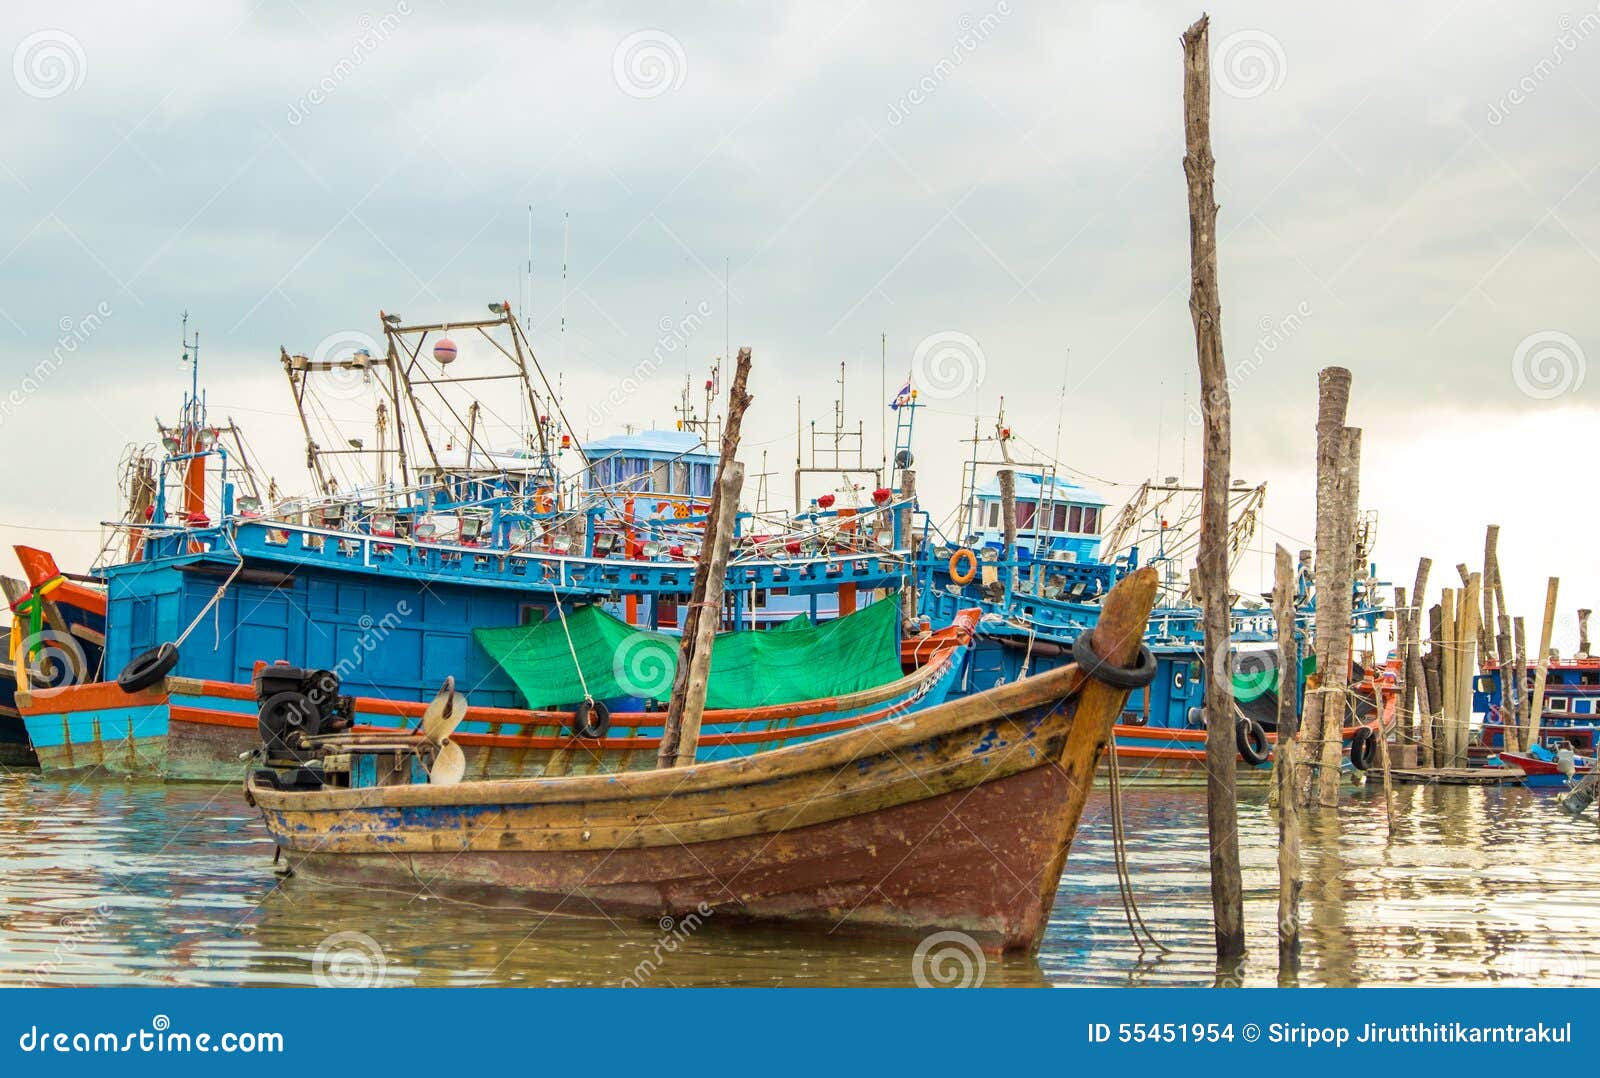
(958, 817)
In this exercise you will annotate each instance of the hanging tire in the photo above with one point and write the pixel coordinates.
(1363, 747)
(591, 720)
(1252, 739)
(147, 669)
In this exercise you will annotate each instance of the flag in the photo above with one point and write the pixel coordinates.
(902, 398)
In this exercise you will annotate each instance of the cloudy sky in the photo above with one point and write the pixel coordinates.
(1407, 190)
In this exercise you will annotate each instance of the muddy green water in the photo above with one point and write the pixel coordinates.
(117, 883)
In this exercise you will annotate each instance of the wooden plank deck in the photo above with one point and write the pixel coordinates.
(1458, 776)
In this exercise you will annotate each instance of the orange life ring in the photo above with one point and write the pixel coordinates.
(963, 576)
(542, 501)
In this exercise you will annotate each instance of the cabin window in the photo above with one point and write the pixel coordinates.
(531, 614)
(1580, 707)
(994, 514)
(1058, 519)
(680, 477)
(1075, 519)
(1557, 703)
(1025, 512)
(661, 477)
(1091, 521)
(702, 480)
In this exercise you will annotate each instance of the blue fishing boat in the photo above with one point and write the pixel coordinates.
(385, 577)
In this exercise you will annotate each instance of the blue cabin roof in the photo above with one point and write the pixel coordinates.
(670, 443)
(1035, 486)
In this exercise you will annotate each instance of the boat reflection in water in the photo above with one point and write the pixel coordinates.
(124, 883)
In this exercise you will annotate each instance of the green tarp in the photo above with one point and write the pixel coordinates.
(1249, 685)
(796, 661)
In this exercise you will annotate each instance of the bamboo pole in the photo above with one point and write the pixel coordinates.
(1520, 679)
(1285, 764)
(1205, 309)
(1414, 647)
(1491, 592)
(701, 607)
(1540, 672)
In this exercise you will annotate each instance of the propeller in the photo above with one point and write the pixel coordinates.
(449, 766)
(444, 713)
(439, 720)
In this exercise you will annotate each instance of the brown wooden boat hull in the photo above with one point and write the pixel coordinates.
(958, 817)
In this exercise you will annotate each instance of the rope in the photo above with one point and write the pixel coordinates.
(1119, 849)
(561, 613)
(217, 595)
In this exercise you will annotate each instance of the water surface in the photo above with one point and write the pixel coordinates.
(106, 882)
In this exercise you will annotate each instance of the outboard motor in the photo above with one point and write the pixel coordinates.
(293, 705)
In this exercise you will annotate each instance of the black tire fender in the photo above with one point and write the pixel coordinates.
(1252, 739)
(148, 668)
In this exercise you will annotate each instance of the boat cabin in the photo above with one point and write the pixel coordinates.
(1057, 520)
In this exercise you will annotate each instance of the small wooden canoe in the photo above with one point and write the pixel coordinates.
(958, 817)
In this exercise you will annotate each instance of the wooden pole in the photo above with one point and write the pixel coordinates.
(1491, 592)
(1417, 689)
(1583, 632)
(1468, 611)
(908, 595)
(1444, 752)
(1434, 670)
(700, 607)
(1540, 672)
(1333, 400)
(1336, 682)
(1205, 309)
(694, 700)
(1285, 764)
(1519, 679)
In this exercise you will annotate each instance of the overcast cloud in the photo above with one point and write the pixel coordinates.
(1407, 190)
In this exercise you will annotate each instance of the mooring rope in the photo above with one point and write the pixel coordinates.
(1119, 848)
(217, 595)
(583, 682)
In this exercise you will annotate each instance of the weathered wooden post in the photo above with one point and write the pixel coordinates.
(1333, 399)
(1347, 492)
(1542, 671)
(1285, 763)
(703, 613)
(1205, 309)
(1468, 612)
(1435, 672)
(1444, 750)
(1583, 632)
(1416, 681)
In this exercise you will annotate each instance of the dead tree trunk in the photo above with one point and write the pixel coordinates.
(1205, 308)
